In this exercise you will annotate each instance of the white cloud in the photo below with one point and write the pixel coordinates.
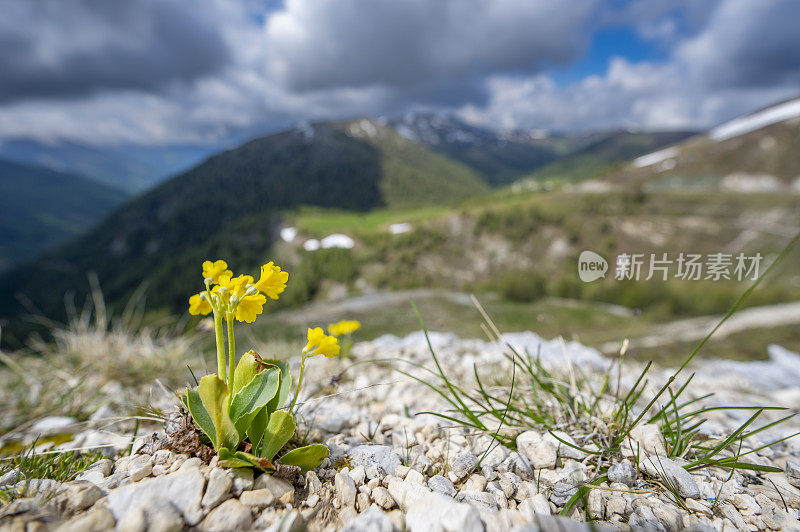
(746, 56)
(329, 59)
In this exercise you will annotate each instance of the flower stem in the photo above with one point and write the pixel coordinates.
(231, 352)
(220, 344)
(299, 383)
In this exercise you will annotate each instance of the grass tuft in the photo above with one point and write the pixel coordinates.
(598, 418)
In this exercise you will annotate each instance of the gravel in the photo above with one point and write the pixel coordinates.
(391, 469)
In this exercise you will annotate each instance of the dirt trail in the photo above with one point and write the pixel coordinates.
(694, 329)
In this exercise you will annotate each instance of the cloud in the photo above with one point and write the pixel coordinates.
(742, 56)
(636, 96)
(418, 45)
(52, 48)
(747, 44)
(218, 71)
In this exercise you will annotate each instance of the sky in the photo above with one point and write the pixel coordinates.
(163, 72)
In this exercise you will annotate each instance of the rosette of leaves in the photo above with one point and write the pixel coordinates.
(252, 410)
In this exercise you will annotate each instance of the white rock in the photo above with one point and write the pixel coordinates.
(382, 497)
(649, 437)
(442, 485)
(183, 489)
(139, 471)
(378, 460)
(218, 489)
(463, 465)
(564, 450)
(346, 489)
(281, 489)
(229, 516)
(82, 494)
(358, 474)
(479, 499)
(242, 480)
(541, 453)
(405, 492)
(622, 472)
(670, 472)
(98, 519)
(415, 476)
(373, 520)
(260, 498)
(792, 471)
(438, 513)
(9, 478)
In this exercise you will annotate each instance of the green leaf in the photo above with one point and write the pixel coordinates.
(229, 459)
(246, 369)
(214, 396)
(242, 459)
(306, 458)
(255, 394)
(280, 430)
(256, 429)
(200, 414)
(279, 401)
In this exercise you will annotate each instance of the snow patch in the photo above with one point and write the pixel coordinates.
(288, 234)
(337, 240)
(398, 229)
(752, 122)
(655, 157)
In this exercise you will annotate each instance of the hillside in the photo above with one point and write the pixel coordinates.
(601, 152)
(759, 151)
(41, 208)
(230, 206)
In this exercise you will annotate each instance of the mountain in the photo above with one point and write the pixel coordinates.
(602, 151)
(41, 208)
(229, 206)
(758, 151)
(499, 157)
(128, 167)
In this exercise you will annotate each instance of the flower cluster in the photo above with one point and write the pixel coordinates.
(240, 297)
(248, 401)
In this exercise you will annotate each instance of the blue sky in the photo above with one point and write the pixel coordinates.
(607, 43)
(162, 72)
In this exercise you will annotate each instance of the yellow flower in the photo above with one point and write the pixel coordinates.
(272, 281)
(320, 343)
(215, 270)
(236, 286)
(250, 307)
(344, 327)
(199, 305)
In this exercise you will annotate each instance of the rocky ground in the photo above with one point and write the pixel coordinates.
(392, 468)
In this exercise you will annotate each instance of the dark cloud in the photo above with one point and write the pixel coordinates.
(161, 71)
(748, 44)
(321, 44)
(59, 48)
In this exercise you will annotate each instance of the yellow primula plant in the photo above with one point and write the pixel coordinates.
(246, 400)
(343, 330)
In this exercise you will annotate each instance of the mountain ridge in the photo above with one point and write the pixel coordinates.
(41, 208)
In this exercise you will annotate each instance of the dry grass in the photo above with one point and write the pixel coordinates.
(91, 362)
